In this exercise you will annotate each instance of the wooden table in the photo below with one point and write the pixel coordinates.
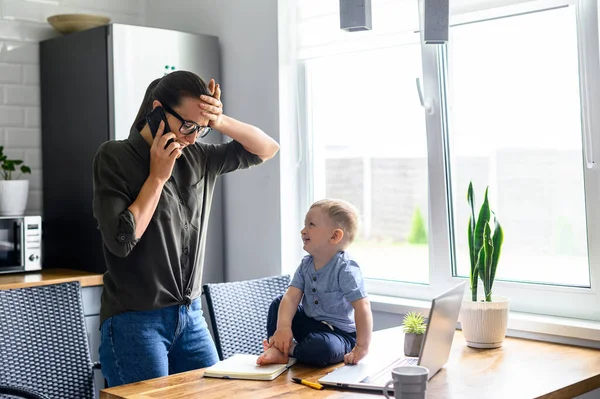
(520, 369)
(48, 276)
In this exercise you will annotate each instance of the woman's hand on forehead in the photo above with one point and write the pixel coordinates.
(212, 107)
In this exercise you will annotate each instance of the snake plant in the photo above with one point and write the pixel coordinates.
(485, 245)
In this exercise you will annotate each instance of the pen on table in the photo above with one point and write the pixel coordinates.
(314, 385)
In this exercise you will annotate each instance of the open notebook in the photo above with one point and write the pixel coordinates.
(244, 367)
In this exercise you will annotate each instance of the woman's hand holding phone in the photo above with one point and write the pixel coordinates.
(163, 155)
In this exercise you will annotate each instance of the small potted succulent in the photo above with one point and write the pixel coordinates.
(13, 191)
(414, 328)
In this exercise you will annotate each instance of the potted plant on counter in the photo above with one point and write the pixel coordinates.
(484, 318)
(414, 327)
(13, 192)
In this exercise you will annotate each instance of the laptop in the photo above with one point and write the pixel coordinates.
(371, 374)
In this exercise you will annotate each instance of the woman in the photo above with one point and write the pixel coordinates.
(152, 199)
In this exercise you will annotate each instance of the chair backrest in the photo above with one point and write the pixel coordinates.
(8, 392)
(43, 341)
(238, 312)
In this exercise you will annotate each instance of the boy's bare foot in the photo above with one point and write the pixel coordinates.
(272, 355)
(266, 345)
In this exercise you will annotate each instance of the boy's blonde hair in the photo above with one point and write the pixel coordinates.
(342, 213)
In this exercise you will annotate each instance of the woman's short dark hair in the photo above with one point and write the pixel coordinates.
(169, 90)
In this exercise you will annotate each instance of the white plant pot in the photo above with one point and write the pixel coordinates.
(484, 323)
(13, 197)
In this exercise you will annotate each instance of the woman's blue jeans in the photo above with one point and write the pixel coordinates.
(136, 346)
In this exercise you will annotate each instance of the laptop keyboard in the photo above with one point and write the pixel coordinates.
(383, 376)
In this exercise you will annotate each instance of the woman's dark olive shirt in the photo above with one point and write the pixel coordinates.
(164, 267)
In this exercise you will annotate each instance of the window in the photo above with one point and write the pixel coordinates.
(520, 133)
(509, 103)
(369, 130)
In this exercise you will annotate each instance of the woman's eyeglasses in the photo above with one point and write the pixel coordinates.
(188, 127)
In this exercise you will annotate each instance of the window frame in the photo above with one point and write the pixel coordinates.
(562, 301)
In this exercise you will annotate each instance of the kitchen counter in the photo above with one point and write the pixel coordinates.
(47, 277)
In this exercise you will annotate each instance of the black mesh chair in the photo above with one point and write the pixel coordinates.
(9, 392)
(43, 343)
(238, 312)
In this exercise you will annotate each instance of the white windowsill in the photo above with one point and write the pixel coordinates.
(523, 325)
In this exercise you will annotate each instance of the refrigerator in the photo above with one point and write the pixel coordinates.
(92, 85)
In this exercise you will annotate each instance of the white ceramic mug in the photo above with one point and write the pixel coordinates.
(410, 382)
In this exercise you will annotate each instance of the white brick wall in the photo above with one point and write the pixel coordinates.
(22, 25)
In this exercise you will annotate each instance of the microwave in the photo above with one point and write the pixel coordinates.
(20, 243)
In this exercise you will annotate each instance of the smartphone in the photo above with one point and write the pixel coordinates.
(153, 119)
